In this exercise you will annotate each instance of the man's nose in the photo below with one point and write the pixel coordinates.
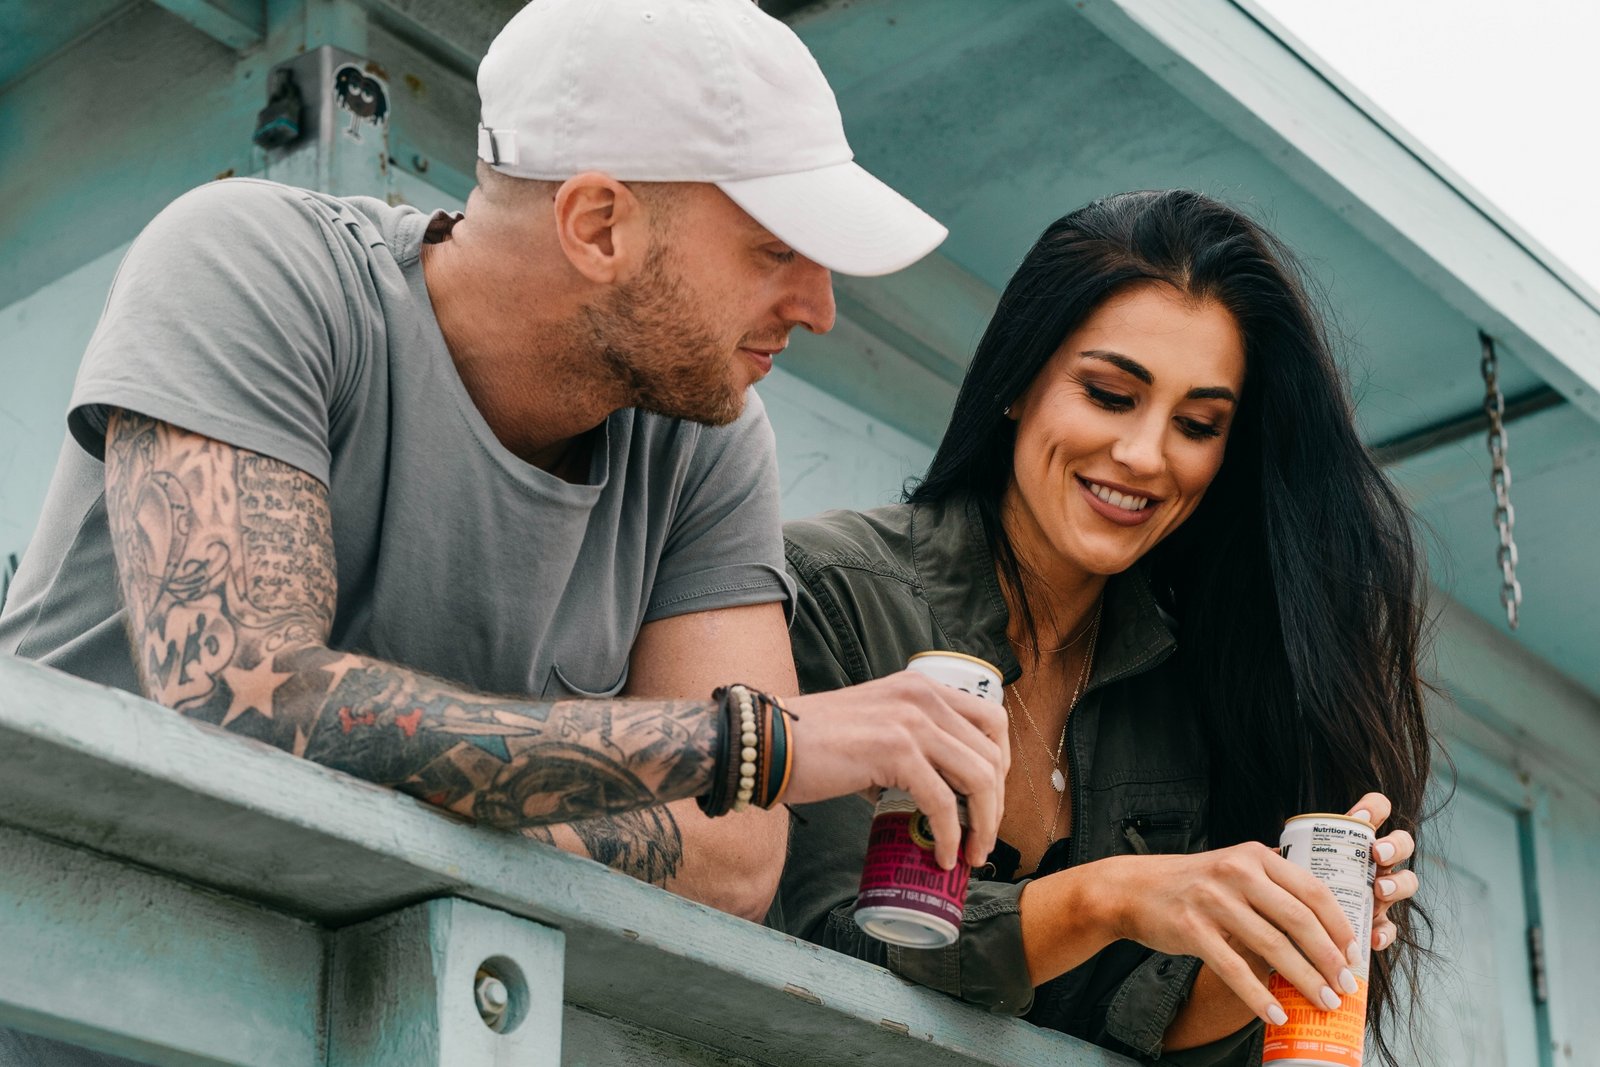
(809, 301)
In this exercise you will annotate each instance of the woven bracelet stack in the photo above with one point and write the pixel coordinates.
(754, 756)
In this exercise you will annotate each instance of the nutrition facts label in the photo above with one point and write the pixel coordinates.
(1339, 852)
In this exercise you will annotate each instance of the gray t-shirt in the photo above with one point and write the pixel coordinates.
(298, 325)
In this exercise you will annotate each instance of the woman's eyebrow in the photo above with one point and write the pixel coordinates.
(1141, 372)
(1214, 392)
(1122, 362)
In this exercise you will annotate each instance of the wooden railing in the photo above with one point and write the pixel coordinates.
(179, 896)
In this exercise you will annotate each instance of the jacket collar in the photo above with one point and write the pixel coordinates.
(956, 572)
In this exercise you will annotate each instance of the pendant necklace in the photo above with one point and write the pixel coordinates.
(1058, 779)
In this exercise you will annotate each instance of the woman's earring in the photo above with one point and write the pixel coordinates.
(1008, 411)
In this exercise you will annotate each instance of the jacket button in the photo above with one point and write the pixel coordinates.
(1163, 967)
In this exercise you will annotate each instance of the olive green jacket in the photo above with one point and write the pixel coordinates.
(876, 587)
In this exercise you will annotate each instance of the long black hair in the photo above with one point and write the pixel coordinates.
(1297, 583)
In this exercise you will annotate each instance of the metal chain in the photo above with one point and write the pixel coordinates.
(1505, 516)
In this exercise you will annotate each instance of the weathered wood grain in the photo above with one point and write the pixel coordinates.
(102, 770)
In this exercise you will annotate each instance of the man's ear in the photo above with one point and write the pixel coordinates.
(602, 227)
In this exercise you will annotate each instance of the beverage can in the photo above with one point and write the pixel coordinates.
(906, 898)
(1338, 850)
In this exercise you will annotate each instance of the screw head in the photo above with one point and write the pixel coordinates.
(492, 998)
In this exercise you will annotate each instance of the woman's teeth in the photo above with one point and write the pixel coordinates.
(1116, 499)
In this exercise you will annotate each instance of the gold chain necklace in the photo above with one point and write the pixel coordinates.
(1058, 780)
(1073, 640)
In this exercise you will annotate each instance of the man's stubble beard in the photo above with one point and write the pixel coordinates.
(667, 361)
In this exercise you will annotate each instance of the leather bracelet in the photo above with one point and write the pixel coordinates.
(718, 799)
(781, 755)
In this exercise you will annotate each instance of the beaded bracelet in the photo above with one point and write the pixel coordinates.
(750, 747)
(754, 756)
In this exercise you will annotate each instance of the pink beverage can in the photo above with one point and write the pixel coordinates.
(906, 897)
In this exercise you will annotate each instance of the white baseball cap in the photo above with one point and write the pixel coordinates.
(693, 91)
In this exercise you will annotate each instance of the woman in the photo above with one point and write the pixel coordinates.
(1152, 512)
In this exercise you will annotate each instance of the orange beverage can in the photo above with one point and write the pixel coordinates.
(1338, 850)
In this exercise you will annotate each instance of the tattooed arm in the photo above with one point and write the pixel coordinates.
(732, 863)
(226, 566)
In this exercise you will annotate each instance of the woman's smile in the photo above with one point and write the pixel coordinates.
(1124, 508)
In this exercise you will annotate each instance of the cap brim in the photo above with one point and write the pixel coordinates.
(841, 217)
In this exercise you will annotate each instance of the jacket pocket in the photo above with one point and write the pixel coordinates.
(1149, 832)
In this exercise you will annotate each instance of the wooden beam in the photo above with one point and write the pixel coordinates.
(1461, 427)
(1552, 436)
(1235, 68)
(239, 24)
(99, 768)
(134, 963)
(401, 989)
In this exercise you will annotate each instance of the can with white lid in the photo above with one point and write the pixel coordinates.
(906, 898)
(1338, 850)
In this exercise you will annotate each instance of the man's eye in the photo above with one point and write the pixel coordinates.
(785, 256)
(1107, 399)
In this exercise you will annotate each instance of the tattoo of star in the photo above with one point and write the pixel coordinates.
(251, 689)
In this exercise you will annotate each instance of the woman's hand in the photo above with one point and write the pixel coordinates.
(1246, 910)
(1391, 886)
(1243, 910)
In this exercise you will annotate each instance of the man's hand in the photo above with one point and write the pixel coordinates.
(907, 732)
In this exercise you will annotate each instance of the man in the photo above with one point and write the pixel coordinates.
(339, 471)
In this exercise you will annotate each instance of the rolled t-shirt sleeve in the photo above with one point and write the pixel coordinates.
(725, 548)
(228, 317)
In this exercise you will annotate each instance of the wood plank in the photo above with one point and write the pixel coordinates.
(401, 989)
(104, 769)
(134, 963)
(238, 24)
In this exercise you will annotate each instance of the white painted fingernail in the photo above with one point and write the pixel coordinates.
(1386, 886)
(1330, 998)
(1347, 981)
(1363, 814)
(1352, 952)
(1277, 1015)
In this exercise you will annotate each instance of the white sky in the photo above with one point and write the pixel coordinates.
(1505, 92)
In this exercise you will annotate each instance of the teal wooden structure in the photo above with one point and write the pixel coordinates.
(188, 899)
